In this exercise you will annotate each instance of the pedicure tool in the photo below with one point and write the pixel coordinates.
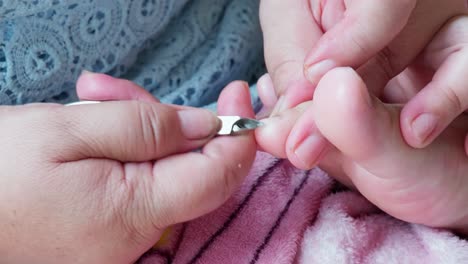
(232, 125)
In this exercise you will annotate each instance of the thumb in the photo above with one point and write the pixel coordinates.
(287, 42)
(366, 28)
(194, 184)
(150, 196)
(131, 131)
(186, 186)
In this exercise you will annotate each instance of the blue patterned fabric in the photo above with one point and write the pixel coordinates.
(182, 51)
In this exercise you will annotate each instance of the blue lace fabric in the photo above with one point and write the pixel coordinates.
(184, 52)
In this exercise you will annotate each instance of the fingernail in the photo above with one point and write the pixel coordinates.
(423, 126)
(198, 123)
(265, 82)
(85, 72)
(280, 106)
(310, 149)
(263, 113)
(265, 86)
(316, 71)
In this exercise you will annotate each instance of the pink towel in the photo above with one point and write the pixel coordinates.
(284, 215)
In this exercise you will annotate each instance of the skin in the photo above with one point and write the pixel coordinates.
(369, 150)
(76, 179)
(383, 41)
(426, 186)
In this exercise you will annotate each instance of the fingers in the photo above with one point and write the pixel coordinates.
(444, 98)
(150, 196)
(378, 43)
(272, 136)
(328, 13)
(101, 87)
(266, 92)
(405, 48)
(366, 28)
(267, 95)
(291, 134)
(382, 166)
(438, 104)
(289, 30)
(305, 146)
(131, 130)
(194, 184)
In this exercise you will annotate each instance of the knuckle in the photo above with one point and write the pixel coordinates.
(385, 64)
(151, 124)
(230, 181)
(359, 39)
(124, 203)
(284, 72)
(454, 99)
(227, 176)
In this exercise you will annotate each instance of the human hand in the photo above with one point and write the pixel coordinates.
(378, 38)
(99, 183)
(394, 47)
(427, 186)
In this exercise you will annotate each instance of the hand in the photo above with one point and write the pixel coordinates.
(99, 183)
(379, 38)
(379, 44)
(427, 186)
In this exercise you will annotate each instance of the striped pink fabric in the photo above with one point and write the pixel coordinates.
(284, 215)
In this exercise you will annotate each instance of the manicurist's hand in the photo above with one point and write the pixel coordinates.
(99, 183)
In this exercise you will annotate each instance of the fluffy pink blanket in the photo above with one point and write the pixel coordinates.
(284, 215)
